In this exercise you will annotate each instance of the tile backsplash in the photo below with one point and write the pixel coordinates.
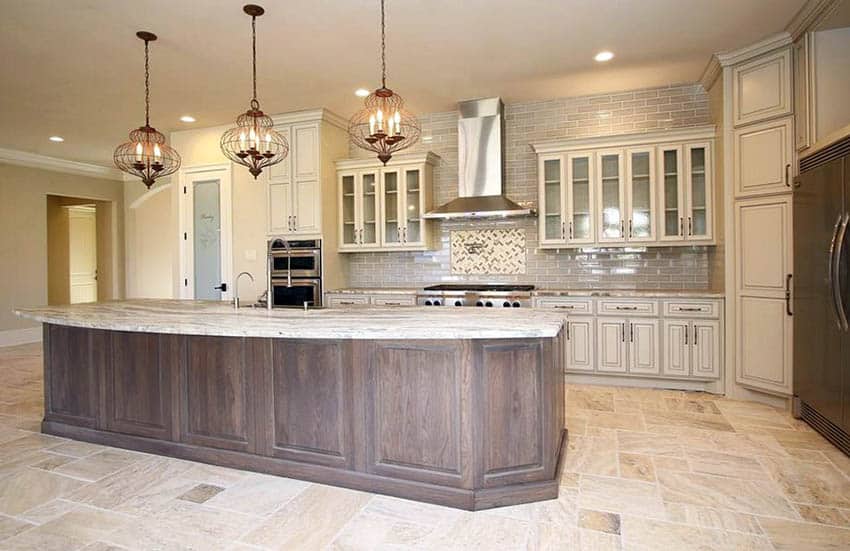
(525, 123)
(488, 252)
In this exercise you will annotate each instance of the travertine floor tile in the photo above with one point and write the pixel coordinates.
(10, 527)
(799, 536)
(98, 465)
(638, 467)
(725, 464)
(589, 455)
(708, 517)
(619, 495)
(592, 540)
(201, 493)
(484, 533)
(31, 487)
(805, 482)
(823, 515)
(258, 494)
(73, 530)
(599, 520)
(640, 533)
(589, 398)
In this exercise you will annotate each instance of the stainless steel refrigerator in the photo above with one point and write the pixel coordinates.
(821, 293)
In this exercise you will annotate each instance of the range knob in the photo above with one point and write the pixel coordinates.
(479, 303)
(437, 303)
(488, 304)
(506, 304)
(516, 304)
(428, 303)
(458, 303)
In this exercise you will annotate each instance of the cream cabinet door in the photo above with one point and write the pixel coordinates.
(764, 349)
(305, 150)
(580, 344)
(281, 172)
(761, 88)
(552, 194)
(306, 216)
(671, 196)
(706, 349)
(643, 346)
(280, 207)
(677, 348)
(611, 345)
(763, 156)
(349, 223)
(612, 204)
(581, 220)
(413, 206)
(391, 207)
(640, 194)
(699, 192)
(802, 93)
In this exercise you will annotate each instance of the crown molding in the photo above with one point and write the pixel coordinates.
(810, 16)
(34, 160)
(427, 158)
(310, 115)
(763, 46)
(688, 134)
(711, 73)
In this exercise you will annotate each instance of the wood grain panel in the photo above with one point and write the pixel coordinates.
(311, 387)
(513, 425)
(140, 384)
(218, 387)
(414, 411)
(72, 374)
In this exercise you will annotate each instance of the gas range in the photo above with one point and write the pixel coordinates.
(475, 294)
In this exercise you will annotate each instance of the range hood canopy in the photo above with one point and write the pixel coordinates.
(480, 167)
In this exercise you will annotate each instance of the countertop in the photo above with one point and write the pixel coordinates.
(554, 292)
(193, 317)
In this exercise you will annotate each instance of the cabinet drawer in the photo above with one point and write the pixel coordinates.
(568, 305)
(394, 300)
(336, 301)
(692, 309)
(628, 307)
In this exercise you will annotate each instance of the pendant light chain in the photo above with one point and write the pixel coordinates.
(383, 47)
(147, 87)
(254, 52)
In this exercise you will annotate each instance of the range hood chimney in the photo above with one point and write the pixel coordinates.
(481, 170)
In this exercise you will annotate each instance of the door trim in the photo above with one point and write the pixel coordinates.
(223, 172)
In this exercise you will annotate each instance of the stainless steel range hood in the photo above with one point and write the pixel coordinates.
(480, 167)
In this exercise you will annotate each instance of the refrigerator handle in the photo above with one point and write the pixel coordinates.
(836, 265)
(788, 295)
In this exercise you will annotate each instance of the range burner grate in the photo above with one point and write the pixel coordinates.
(480, 287)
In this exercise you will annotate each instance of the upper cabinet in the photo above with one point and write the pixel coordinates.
(381, 207)
(761, 88)
(764, 157)
(643, 189)
(295, 185)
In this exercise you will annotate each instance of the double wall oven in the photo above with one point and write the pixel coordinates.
(295, 273)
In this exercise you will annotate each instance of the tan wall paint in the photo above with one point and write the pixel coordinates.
(23, 234)
(58, 246)
(148, 239)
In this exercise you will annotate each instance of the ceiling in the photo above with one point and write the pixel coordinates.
(75, 69)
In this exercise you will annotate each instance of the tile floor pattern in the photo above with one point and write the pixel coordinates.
(645, 469)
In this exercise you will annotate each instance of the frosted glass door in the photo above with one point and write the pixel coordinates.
(641, 195)
(611, 200)
(392, 199)
(553, 215)
(699, 198)
(349, 219)
(580, 202)
(206, 235)
(369, 208)
(412, 229)
(672, 217)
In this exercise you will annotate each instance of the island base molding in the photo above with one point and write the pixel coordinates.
(471, 424)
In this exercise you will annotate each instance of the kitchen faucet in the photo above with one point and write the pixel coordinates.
(236, 288)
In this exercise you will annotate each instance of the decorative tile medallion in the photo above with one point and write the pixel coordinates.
(494, 251)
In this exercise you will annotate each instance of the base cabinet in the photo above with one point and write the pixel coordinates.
(692, 348)
(612, 350)
(580, 336)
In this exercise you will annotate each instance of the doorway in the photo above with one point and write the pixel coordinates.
(206, 259)
(82, 253)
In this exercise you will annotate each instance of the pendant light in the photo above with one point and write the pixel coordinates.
(383, 126)
(146, 155)
(253, 142)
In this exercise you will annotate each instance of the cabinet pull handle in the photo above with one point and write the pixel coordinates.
(565, 306)
(787, 175)
(695, 335)
(631, 332)
(686, 309)
(568, 330)
(294, 222)
(623, 331)
(788, 295)
(398, 229)
(625, 308)
(563, 231)
(631, 229)
(571, 229)
(681, 226)
(405, 233)
(690, 226)
(385, 303)
(622, 228)
(347, 303)
(686, 334)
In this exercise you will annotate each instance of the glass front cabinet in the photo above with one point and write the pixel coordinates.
(642, 190)
(381, 207)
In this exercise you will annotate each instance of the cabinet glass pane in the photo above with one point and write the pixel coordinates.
(580, 194)
(391, 221)
(370, 210)
(612, 210)
(552, 198)
(348, 223)
(671, 193)
(413, 224)
(698, 200)
(640, 223)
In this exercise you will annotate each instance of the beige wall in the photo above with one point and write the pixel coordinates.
(23, 234)
(148, 240)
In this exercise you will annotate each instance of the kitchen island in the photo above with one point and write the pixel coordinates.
(461, 407)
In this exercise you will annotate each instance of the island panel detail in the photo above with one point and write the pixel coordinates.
(469, 423)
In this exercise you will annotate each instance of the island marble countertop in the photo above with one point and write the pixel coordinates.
(191, 317)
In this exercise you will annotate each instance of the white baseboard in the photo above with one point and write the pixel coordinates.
(14, 337)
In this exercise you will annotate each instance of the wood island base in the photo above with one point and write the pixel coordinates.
(467, 423)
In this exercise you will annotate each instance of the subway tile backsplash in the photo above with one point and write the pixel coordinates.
(525, 123)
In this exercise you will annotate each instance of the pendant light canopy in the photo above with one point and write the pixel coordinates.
(253, 142)
(146, 155)
(383, 126)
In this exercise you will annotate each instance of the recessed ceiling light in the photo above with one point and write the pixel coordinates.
(361, 92)
(187, 118)
(604, 56)
(57, 139)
